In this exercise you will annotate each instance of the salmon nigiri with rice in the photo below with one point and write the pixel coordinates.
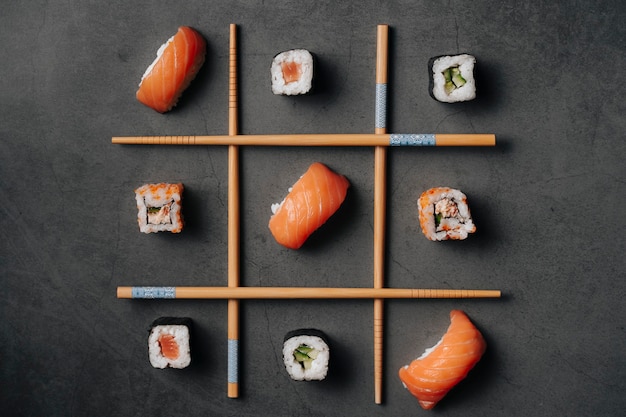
(431, 376)
(176, 65)
(312, 200)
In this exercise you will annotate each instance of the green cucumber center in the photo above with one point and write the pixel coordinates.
(453, 79)
(305, 355)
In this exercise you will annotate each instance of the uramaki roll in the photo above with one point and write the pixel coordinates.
(444, 214)
(159, 207)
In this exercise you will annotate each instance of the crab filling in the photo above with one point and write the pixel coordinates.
(445, 209)
(160, 215)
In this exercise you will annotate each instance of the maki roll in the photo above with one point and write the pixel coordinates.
(292, 72)
(159, 208)
(444, 214)
(451, 78)
(168, 343)
(306, 355)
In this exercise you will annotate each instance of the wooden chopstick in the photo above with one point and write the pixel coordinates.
(313, 139)
(233, 222)
(263, 293)
(380, 191)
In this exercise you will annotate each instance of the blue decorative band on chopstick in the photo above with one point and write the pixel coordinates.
(381, 106)
(233, 356)
(154, 292)
(412, 139)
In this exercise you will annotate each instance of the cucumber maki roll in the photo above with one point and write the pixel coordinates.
(451, 78)
(306, 354)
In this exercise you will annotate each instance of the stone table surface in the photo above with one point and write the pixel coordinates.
(548, 201)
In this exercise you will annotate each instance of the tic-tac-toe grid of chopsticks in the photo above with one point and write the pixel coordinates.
(380, 140)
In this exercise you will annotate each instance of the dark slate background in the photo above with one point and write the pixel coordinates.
(548, 202)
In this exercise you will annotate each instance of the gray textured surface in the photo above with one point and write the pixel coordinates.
(548, 202)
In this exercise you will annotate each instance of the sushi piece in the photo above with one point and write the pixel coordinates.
(169, 342)
(159, 207)
(431, 376)
(306, 354)
(444, 214)
(292, 72)
(176, 65)
(312, 200)
(451, 78)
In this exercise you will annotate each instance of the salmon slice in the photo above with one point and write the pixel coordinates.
(430, 377)
(169, 346)
(313, 199)
(291, 71)
(176, 65)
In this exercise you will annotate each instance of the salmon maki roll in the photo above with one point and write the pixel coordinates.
(176, 65)
(312, 200)
(431, 376)
(292, 72)
(169, 342)
(444, 214)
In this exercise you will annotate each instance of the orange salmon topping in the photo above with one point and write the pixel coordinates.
(291, 71)
(169, 346)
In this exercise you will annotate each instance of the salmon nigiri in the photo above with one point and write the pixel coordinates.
(176, 65)
(312, 200)
(440, 368)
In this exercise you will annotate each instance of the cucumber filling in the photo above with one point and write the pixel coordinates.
(305, 355)
(453, 79)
